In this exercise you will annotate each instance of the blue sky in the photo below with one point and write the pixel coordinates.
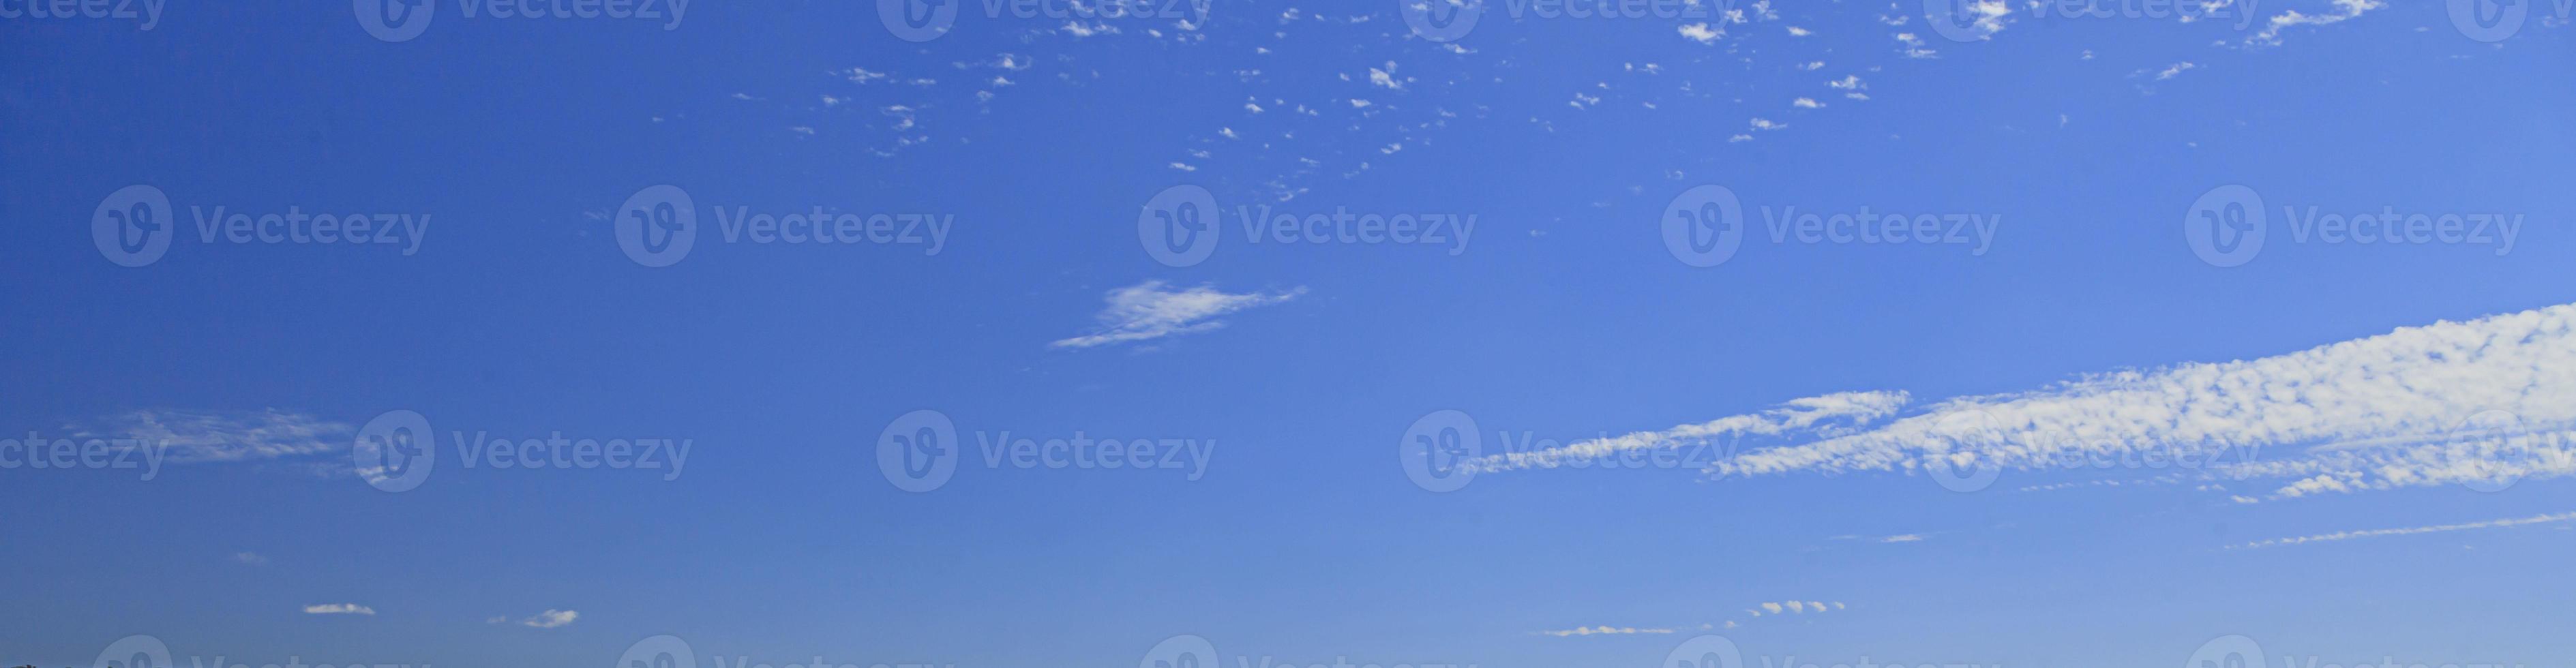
(997, 193)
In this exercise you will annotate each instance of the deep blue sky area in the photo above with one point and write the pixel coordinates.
(1052, 224)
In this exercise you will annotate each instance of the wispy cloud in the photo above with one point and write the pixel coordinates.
(2344, 10)
(338, 609)
(1602, 630)
(1791, 608)
(2545, 518)
(193, 437)
(550, 619)
(1798, 415)
(252, 558)
(1152, 310)
(2373, 413)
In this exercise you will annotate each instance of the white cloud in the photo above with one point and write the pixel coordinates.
(1151, 310)
(2344, 10)
(550, 619)
(192, 437)
(252, 558)
(2407, 531)
(1797, 416)
(2372, 413)
(338, 609)
(1701, 32)
(1386, 77)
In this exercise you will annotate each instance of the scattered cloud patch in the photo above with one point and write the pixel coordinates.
(1153, 310)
